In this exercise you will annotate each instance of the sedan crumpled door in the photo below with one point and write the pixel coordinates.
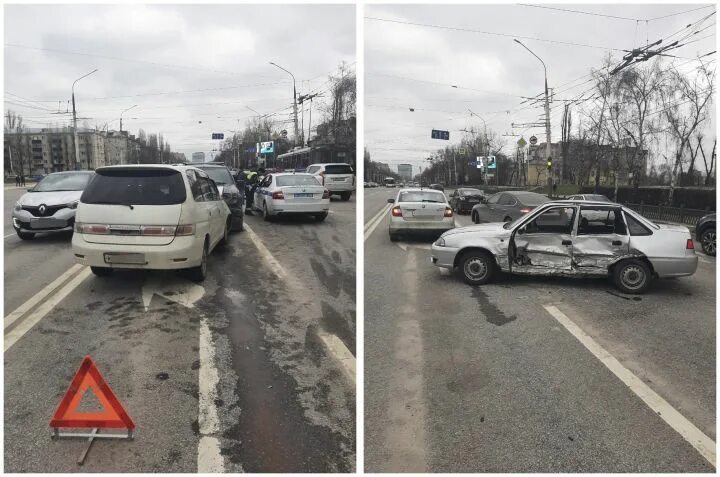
(601, 239)
(544, 245)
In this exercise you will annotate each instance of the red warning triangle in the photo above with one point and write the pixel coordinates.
(88, 378)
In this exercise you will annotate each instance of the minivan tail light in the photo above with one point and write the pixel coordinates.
(185, 230)
(690, 244)
(278, 195)
(158, 230)
(448, 212)
(396, 212)
(92, 229)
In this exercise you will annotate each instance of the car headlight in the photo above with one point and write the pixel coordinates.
(18, 206)
(73, 205)
(440, 242)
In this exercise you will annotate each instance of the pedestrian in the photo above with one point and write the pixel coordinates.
(22, 180)
(17, 181)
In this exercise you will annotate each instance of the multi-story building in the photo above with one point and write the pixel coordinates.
(405, 171)
(198, 157)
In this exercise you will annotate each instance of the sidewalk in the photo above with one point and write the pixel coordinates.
(14, 187)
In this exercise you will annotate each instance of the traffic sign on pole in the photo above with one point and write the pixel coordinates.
(218, 135)
(533, 140)
(438, 134)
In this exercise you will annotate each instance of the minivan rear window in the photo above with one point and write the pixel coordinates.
(338, 169)
(135, 187)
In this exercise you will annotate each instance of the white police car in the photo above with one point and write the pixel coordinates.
(291, 193)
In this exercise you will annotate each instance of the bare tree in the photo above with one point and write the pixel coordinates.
(709, 167)
(14, 123)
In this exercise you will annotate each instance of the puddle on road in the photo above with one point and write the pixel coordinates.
(492, 313)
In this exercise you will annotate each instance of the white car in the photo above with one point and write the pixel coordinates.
(292, 193)
(338, 178)
(420, 211)
(149, 217)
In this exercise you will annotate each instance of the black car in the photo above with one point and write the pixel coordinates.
(437, 187)
(232, 194)
(705, 234)
(464, 199)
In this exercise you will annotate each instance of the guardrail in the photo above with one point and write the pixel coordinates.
(664, 213)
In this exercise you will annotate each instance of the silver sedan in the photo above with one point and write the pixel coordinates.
(49, 207)
(420, 211)
(571, 238)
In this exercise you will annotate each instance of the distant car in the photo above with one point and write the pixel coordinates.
(437, 187)
(506, 206)
(705, 234)
(230, 192)
(419, 211)
(338, 178)
(570, 238)
(50, 206)
(292, 194)
(150, 217)
(465, 198)
(595, 197)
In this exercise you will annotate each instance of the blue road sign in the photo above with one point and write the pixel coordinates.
(218, 135)
(438, 134)
(491, 162)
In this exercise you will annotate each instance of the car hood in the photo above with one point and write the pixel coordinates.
(33, 199)
(472, 196)
(485, 230)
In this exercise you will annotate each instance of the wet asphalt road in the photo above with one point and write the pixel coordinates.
(282, 399)
(487, 380)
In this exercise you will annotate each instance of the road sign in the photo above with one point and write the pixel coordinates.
(533, 140)
(218, 135)
(437, 134)
(522, 143)
(480, 162)
(267, 147)
(462, 151)
(491, 162)
(88, 378)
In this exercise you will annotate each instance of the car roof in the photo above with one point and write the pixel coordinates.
(420, 189)
(583, 202)
(291, 174)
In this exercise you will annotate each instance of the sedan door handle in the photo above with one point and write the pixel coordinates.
(617, 242)
(567, 242)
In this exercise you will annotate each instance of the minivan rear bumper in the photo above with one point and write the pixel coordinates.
(182, 252)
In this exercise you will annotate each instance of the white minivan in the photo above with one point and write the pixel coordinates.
(150, 217)
(338, 178)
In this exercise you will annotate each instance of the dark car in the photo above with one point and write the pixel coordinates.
(437, 187)
(705, 234)
(464, 199)
(593, 197)
(233, 196)
(507, 206)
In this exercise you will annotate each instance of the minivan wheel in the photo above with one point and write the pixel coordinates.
(345, 195)
(707, 241)
(198, 274)
(226, 232)
(321, 217)
(476, 267)
(101, 271)
(632, 276)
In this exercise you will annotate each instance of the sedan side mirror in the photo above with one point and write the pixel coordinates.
(391, 201)
(521, 231)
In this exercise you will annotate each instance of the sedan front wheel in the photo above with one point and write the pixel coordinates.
(476, 267)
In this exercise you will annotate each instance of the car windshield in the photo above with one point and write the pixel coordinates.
(220, 175)
(531, 199)
(421, 196)
(297, 180)
(63, 181)
(338, 169)
(470, 192)
(136, 187)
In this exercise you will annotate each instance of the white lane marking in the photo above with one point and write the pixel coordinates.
(705, 260)
(373, 223)
(9, 235)
(41, 295)
(33, 318)
(403, 246)
(180, 291)
(702, 443)
(209, 457)
(265, 254)
(341, 352)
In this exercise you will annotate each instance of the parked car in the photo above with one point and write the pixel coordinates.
(705, 234)
(338, 178)
(465, 198)
(233, 196)
(571, 238)
(506, 206)
(437, 187)
(150, 217)
(419, 211)
(595, 197)
(292, 194)
(50, 206)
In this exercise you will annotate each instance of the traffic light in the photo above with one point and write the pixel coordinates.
(549, 163)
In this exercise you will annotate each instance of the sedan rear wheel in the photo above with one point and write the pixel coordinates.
(707, 241)
(476, 267)
(101, 271)
(266, 214)
(632, 276)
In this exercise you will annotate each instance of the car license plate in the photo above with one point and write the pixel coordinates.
(303, 195)
(125, 258)
(46, 223)
(423, 213)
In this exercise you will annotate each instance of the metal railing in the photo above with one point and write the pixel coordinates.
(664, 213)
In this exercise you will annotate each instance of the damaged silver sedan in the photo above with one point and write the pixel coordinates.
(571, 238)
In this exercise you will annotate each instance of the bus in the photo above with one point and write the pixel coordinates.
(389, 182)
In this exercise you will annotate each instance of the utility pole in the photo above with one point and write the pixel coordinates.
(295, 111)
(75, 136)
(548, 147)
(128, 109)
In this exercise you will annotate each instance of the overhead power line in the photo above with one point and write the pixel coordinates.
(580, 11)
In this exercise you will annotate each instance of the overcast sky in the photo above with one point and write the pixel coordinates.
(143, 50)
(492, 72)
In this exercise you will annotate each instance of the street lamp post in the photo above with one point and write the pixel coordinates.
(548, 148)
(75, 136)
(128, 109)
(295, 112)
(487, 144)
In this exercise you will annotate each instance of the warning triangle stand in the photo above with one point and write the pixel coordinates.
(88, 383)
